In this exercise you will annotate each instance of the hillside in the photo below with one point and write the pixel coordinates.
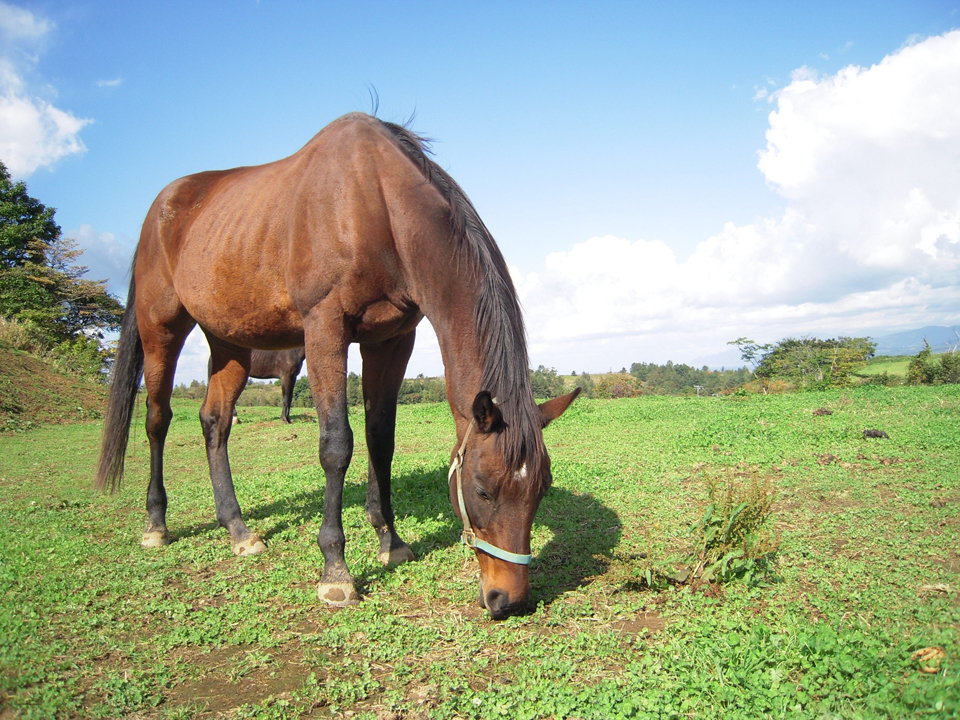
(33, 392)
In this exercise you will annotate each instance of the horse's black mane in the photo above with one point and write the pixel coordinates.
(499, 319)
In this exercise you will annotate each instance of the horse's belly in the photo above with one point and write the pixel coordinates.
(255, 320)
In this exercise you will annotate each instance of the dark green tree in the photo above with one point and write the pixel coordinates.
(26, 225)
(40, 284)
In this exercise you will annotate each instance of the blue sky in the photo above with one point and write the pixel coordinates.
(661, 177)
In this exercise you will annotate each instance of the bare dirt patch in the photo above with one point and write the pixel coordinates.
(235, 676)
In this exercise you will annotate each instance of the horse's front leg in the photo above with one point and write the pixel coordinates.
(383, 368)
(327, 367)
(228, 377)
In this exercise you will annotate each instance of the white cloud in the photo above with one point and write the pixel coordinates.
(33, 132)
(105, 257)
(17, 24)
(116, 82)
(869, 239)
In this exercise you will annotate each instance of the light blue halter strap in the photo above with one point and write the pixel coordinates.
(469, 538)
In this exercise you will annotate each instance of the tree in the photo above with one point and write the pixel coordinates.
(40, 284)
(750, 352)
(925, 369)
(545, 383)
(354, 389)
(586, 384)
(810, 362)
(26, 225)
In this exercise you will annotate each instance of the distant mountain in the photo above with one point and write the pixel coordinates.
(910, 342)
(728, 359)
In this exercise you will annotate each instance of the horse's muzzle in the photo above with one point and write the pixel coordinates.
(499, 605)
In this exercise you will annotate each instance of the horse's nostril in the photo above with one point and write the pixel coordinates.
(497, 603)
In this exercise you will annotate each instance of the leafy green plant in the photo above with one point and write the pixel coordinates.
(734, 539)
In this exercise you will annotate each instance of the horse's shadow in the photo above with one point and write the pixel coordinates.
(584, 530)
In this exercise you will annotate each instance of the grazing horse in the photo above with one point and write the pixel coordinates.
(353, 239)
(283, 365)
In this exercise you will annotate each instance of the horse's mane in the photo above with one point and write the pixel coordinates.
(498, 317)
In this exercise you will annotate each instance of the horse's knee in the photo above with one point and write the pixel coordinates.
(336, 449)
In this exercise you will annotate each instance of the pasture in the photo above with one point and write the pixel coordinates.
(895, 365)
(862, 618)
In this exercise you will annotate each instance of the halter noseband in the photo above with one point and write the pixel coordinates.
(469, 538)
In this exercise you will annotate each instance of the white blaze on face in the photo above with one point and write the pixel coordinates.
(522, 473)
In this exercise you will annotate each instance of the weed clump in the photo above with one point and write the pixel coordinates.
(734, 538)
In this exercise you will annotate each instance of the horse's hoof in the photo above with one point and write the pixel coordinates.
(338, 594)
(396, 556)
(251, 546)
(154, 539)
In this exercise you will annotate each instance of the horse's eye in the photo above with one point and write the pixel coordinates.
(483, 493)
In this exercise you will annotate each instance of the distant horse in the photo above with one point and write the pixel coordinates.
(354, 238)
(283, 365)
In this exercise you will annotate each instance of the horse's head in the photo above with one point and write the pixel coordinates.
(497, 503)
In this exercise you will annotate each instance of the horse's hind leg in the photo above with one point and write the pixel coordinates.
(383, 368)
(228, 376)
(161, 347)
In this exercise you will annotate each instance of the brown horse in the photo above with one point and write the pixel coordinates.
(284, 365)
(354, 238)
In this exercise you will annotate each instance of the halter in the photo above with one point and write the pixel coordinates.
(469, 538)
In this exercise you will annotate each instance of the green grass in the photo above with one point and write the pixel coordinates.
(868, 531)
(894, 365)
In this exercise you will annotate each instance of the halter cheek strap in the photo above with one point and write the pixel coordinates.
(469, 538)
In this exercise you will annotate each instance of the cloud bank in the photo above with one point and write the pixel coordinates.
(868, 240)
(33, 132)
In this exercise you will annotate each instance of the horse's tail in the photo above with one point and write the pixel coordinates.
(127, 373)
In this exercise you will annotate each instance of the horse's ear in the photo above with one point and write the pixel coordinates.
(486, 414)
(552, 409)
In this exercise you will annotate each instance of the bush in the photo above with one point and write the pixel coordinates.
(927, 369)
(81, 356)
(884, 378)
(949, 368)
(21, 335)
(617, 385)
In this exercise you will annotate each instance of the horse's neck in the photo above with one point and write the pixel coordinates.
(449, 302)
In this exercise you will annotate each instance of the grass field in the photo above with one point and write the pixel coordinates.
(893, 365)
(861, 620)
